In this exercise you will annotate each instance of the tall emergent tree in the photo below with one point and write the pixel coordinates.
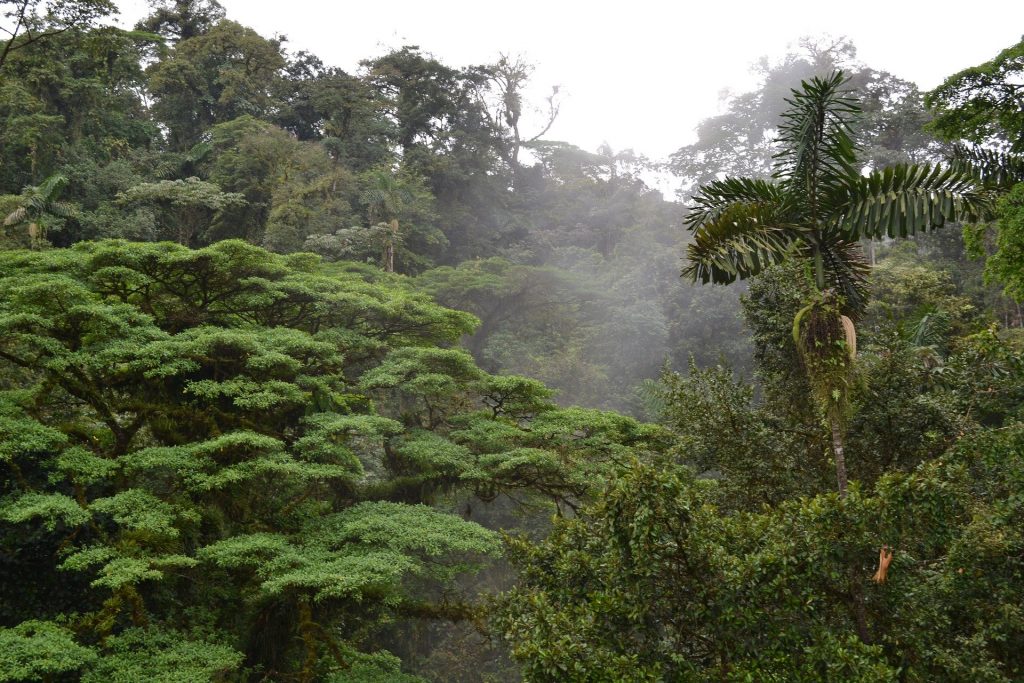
(817, 206)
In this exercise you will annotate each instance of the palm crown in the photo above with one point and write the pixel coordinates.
(818, 203)
(37, 205)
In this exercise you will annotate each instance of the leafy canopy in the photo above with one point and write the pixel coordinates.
(229, 460)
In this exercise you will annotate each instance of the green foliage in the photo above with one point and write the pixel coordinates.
(229, 464)
(292, 189)
(826, 343)
(22, 436)
(52, 508)
(203, 438)
(379, 667)
(983, 376)
(501, 294)
(982, 103)
(1003, 265)
(996, 169)
(183, 208)
(895, 378)
(653, 583)
(71, 97)
(724, 435)
(161, 655)
(39, 650)
(213, 77)
(327, 161)
(769, 308)
(182, 19)
(32, 21)
(362, 553)
(905, 289)
(771, 447)
(740, 141)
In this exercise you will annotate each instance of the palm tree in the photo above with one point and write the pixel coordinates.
(816, 207)
(384, 199)
(38, 205)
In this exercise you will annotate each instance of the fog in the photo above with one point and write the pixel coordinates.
(641, 74)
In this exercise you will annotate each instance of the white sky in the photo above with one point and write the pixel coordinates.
(638, 74)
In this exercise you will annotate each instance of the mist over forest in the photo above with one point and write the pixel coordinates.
(314, 374)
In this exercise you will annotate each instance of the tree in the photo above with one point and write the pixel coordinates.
(719, 424)
(1006, 264)
(183, 209)
(444, 136)
(179, 20)
(292, 188)
(827, 345)
(819, 203)
(344, 111)
(25, 25)
(502, 95)
(387, 196)
(213, 77)
(816, 208)
(506, 296)
(39, 208)
(983, 106)
(384, 199)
(228, 462)
(73, 97)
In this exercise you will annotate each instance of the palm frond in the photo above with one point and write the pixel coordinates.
(931, 327)
(815, 134)
(715, 198)
(846, 272)
(992, 168)
(198, 152)
(905, 199)
(374, 196)
(741, 242)
(16, 217)
(51, 187)
(62, 209)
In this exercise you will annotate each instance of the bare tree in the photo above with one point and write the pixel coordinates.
(502, 96)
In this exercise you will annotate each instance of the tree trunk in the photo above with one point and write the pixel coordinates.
(819, 268)
(860, 613)
(308, 636)
(860, 616)
(389, 248)
(837, 450)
